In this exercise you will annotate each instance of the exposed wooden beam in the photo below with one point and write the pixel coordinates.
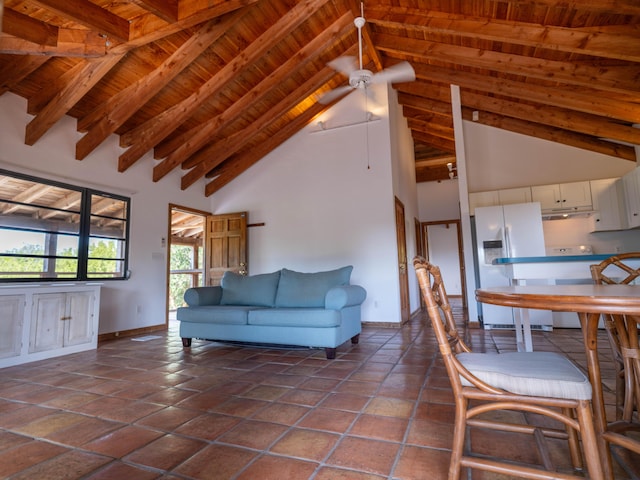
(213, 155)
(85, 79)
(120, 107)
(589, 41)
(91, 16)
(165, 9)
(162, 125)
(203, 134)
(616, 79)
(28, 28)
(587, 100)
(70, 43)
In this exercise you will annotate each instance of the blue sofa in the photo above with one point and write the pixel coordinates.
(286, 307)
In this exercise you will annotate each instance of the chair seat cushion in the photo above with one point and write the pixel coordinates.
(541, 374)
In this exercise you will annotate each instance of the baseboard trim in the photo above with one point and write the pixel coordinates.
(106, 337)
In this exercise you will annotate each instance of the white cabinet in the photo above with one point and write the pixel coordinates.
(631, 184)
(60, 320)
(608, 202)
(45, 321)
(507, 196)
(564, 196)
(483, 199)
(11, 318)
(511, 196)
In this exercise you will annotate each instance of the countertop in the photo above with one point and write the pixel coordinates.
(552, 259)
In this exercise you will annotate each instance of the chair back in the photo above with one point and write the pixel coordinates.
(622, 332)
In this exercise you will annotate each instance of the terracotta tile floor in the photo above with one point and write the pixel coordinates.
(150, 409)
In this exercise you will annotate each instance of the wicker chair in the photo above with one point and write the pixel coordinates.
(622, 332)
(543, 383)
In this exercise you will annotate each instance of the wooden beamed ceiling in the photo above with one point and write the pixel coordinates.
(212, 86)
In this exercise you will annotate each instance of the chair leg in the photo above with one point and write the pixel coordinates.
(589, 442)
(459, 434)
(574, 444)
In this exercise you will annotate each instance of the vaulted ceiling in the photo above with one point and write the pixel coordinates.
(211, 86)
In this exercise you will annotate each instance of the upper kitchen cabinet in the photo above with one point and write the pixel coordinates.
(561, 197)
(507, 196)
(631, 184)
(609, 205)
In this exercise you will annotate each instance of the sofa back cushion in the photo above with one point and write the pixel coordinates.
(297, 289)
(259, 290)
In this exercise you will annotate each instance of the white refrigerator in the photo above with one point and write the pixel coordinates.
(507, 231)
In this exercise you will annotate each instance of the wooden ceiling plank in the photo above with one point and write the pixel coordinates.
(439, 142)
(91, 16)
(587, 101)
(425, 104)
(19, 67)
(620, 79)
(555, 117)
(203, 134)
(213, 155)
(231, 169)
(591, 41)
(553, 134)
(162, 125)
(431, 128)
(626, 7)
(27, 28)
(119, 108)
(165, 9)
(84, 80)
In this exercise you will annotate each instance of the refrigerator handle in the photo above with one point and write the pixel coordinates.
(507, 241)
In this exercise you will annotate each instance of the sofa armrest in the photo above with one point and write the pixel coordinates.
(344, 296)
(197, 296)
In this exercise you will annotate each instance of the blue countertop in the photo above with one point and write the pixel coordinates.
(552, 258)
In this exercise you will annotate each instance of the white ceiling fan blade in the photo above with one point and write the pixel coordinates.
(345, 65)
(334, 94)
(401, 72)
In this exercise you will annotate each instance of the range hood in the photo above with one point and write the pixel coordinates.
(562, 215)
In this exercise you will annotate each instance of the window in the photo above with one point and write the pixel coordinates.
(53, 231)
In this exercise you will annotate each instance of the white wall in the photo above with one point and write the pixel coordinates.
(327, 200)
(501, 159)
(438, 201)
(127, 304)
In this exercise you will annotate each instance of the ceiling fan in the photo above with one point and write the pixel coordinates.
(360, 77)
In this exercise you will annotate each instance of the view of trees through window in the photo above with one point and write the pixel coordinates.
(186, 272)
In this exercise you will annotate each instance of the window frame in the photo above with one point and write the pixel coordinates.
(84, 232)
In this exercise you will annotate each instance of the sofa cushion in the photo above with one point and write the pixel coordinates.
(258, 290)
(297, 289)
(294, 317)
(227, 315)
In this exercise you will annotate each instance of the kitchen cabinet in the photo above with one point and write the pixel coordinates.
(511, 196)
(631, 185)
(562, 197)
(483, 199)
(45, 321)
(609, 205)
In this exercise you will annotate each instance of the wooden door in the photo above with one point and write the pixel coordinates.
(401, 239)
(226, 246)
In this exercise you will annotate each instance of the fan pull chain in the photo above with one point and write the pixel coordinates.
(366, 126)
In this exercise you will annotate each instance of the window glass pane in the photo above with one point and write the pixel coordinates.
(108, 228)
(105, 269)
(108, 207)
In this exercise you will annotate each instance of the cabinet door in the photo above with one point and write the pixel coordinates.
(483, 199)
(47, 324)
(79, 318)
(631, 182)
(11, 321)
(576, 195)
(510, 196)
(608, 204)
(548, 196)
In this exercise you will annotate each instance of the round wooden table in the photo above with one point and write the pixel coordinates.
(589, 302)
